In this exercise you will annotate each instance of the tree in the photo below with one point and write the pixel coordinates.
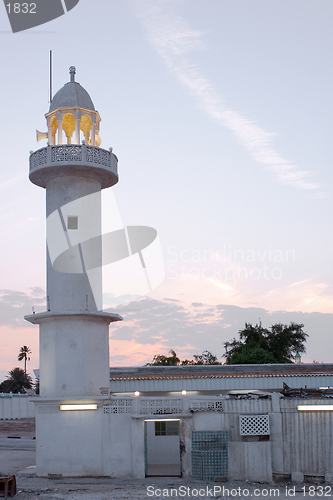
(36, 386)
(256, 344)
(23, 354)
(17, 381)
(206, 358)
(160, 360)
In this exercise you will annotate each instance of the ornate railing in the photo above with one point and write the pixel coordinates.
(155, 406)
(162, 406)
(119, 406)
(99, 156)
(204, 405)
(38, 158)
(71, 153)
(66, 153)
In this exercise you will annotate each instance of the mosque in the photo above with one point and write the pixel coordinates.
(205, 422)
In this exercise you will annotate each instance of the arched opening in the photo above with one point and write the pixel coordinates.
(85, 126)
(53, 130)
(68, 126)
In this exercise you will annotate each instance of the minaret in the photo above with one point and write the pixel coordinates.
(74, 331)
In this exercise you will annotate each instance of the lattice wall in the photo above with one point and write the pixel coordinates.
(254, 425)
(119, 406)
(205, 406)
(160, 406)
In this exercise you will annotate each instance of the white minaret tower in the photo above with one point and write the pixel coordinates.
(74, 331)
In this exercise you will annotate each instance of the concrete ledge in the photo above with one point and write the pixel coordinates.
(51, 316)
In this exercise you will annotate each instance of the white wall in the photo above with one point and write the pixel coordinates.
(69, 442)
(250, 461)
(14, 406)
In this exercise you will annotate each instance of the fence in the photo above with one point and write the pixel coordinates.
(14, 406)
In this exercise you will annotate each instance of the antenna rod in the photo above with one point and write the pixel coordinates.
(50, 76)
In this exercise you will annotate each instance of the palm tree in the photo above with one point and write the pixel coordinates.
(23, 354)
(17, 381)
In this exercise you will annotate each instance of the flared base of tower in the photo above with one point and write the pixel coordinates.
(74, 353)
(70, 441)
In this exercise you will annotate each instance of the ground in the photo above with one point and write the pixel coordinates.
(17, 454)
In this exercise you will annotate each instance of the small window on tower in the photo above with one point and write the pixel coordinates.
(72, 222)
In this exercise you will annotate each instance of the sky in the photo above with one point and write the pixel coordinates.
(220, 114)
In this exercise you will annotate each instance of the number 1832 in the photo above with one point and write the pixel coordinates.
(24, 8)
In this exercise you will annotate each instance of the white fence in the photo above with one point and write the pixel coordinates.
(13, 406)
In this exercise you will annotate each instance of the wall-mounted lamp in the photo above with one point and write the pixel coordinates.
(78, 407)
(315, 407)
(137, 393)
(162, 419)
(184, 393)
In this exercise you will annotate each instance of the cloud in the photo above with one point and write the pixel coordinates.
(142, 334)
(174, 39)
(14, 305)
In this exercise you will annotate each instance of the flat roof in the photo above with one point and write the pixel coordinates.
(219, 371)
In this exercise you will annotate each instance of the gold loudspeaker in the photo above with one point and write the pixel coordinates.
(41, 135)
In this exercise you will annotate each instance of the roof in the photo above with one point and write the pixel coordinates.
(72, 95)
(205, 378)
(220, 371)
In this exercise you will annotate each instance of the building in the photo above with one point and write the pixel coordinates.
(193, 421)
(74, 332)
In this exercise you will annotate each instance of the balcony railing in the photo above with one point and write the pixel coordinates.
(74, 155)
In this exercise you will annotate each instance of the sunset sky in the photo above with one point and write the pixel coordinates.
(220, 113)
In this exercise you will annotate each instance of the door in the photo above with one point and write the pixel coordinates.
(162, 448)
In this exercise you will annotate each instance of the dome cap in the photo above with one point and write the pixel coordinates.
(72, 95)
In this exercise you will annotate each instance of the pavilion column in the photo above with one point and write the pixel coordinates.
(60, 134)
(77, 130)
(93, 132)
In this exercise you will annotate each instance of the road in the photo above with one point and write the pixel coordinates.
(16, 454)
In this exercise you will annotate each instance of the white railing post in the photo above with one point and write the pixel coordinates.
(49, 154)
(84, 152)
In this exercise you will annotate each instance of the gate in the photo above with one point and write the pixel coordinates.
(209, 454)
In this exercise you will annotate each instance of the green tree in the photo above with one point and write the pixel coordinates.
(160, 360)
(206, 358)
(256, 344)
(17, 381)
(24, 354)
(36, 386)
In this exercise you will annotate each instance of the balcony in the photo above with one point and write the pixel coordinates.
(72, 159)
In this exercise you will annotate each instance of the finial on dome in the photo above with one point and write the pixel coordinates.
(72, 71)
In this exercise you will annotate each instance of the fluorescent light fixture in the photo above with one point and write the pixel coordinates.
(315, 408)
(78, 407)
(162, 419)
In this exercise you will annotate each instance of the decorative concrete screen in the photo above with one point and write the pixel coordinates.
(205, 406)
(209, 454)
(119, 406)
(156, 406)
(254, 425)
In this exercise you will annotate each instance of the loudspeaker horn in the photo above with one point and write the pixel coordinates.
(41, 135)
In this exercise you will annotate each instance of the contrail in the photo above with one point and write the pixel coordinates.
(174, 39)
